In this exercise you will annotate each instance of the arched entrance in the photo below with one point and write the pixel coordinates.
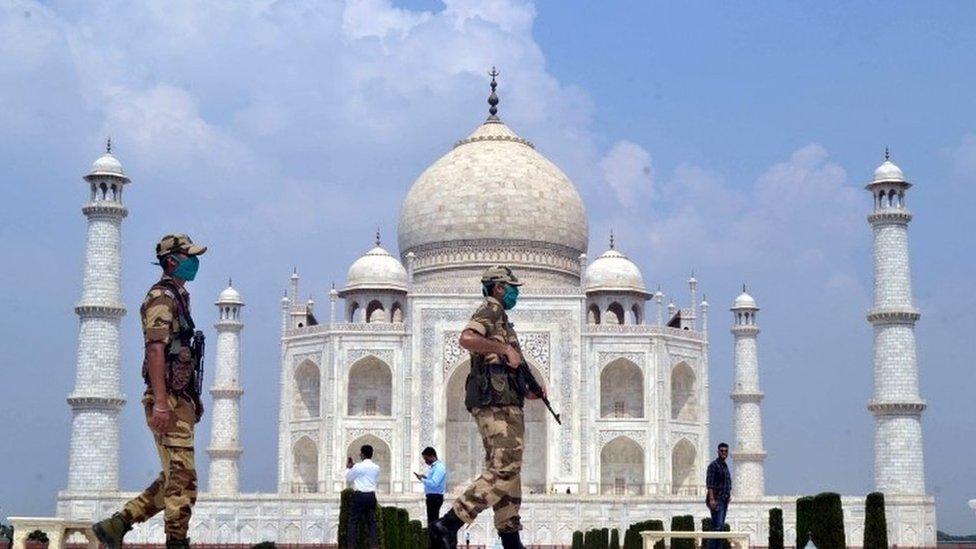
(622, 468)
(381, 457)
(464, 449)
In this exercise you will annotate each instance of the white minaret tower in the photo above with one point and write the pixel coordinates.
(225, 449)
(747, 450)
(96, 401)
(897, 406)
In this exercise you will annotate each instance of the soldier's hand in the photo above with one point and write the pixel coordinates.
(534, 396)
(161, 420)
(513, 357)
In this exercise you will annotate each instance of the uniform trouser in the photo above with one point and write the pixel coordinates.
(362, 510)
(499, 485)
(175, 489)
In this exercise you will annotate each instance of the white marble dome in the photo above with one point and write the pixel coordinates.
(613, 271)
(230, 296)
(107, 165)
(744, 301)
(493, 185)
(888, 171)
(376, 270)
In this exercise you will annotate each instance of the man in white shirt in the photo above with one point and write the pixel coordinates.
(363, 478)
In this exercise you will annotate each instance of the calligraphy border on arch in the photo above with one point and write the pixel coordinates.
(358, 353)
(639, 437)
(352, 433)
(569, 330)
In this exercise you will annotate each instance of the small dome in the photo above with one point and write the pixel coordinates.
(888, 171)
(744, 301)
(376, 270)
(613, 271)
(107, 165)
(230, 296)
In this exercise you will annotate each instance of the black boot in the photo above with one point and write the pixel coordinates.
(177, 543)
(511, 540)
(111, 530)
(443, 531)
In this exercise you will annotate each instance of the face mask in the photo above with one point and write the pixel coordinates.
(511, 297)
(187, 269)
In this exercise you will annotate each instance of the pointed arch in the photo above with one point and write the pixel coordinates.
(396, 312)
(464, 450)
(615, 314)
(305, 466)
(683, 458)
(381, 457)
(307, 390)
(621, 390)
(684, 393)
(354, 311)
(370, 388)
(593, 315)
(636, 314)
(375, 312)
(622, 468)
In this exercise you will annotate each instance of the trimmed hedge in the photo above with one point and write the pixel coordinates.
(632, 537)
(828, 521)
(264, 545)
(614, 539)
(804, 520)
(683, 523)
(577, 540)
(875, 522)
(706, 526)
(589, 541)
(775, 528)
(345, 498)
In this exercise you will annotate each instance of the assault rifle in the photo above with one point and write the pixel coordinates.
(527, 383)
(197, 346)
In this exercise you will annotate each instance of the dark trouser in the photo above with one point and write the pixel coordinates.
(362, 509)
(434, 502)
(718, 520)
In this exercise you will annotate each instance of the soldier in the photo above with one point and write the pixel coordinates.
(171, 401)
(493, 398)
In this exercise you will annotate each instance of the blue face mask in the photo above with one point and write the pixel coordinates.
(511, 297)
(187, 269)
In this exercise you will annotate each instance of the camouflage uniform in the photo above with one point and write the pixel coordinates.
(175, 490)
(491, 398)
(166, 319)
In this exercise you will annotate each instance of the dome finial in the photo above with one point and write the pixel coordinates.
(612, 243)
(108, 145)
(230, 282)
(377, 236)
(493, 97)
(743, 287)
(887, 154)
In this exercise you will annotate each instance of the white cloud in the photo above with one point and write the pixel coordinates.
(627, 169)
(377, 18)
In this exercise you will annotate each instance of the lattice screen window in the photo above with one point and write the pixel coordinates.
(619, 409)
(619, 486)
(370, 408)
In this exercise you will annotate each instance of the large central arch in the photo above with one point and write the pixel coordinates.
(622, 468)
(464, 450)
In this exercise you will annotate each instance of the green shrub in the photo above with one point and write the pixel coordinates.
(577, 540)
(632, 537)
(344, 501)
(804, 520)
(775, 528)
(828, 521)
(683, 523)
(415, 529)
(391, 538)
(38, 536)
(706, 526)
(403, 527)
(875, 522)
(264, 545)
(604, 538)
(614, 539)
(589, 540)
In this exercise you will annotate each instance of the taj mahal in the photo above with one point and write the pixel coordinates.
(626, 365)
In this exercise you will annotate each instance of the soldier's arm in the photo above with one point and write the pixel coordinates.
(156, 360)
(477, 343)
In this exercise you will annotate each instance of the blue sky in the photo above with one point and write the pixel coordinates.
(733, 140)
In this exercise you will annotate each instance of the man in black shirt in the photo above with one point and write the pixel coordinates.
(719, 484)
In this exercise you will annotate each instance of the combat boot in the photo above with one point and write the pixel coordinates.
(511, 540)
(443, 531)
(172, 543)
(111, 530)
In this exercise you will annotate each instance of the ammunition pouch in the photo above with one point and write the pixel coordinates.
(181, 365)
(491, 385)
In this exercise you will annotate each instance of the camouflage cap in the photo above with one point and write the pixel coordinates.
(499, 273)
(178, 244)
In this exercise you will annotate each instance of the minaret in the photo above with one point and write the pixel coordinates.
(225, 449)
(747, 450)
(693, 304)
(96, 401)
(896, 406)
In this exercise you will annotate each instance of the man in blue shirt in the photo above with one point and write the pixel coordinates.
(434, 482)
